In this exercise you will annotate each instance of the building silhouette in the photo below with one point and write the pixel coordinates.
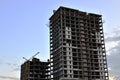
(77, 47)
(35, 70)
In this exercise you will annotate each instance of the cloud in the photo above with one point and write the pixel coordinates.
(113, 50)
(9, 78)
(113, 35)
(14, 67)
(1, 61)
(112, 78)
(13, 64)
(112, 40)
(115, 38)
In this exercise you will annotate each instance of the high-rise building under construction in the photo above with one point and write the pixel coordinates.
(35, 70)
(77, 48)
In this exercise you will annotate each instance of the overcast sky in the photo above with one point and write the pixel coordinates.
(24, 31)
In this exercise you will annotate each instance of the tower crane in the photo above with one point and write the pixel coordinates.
(31, 57)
